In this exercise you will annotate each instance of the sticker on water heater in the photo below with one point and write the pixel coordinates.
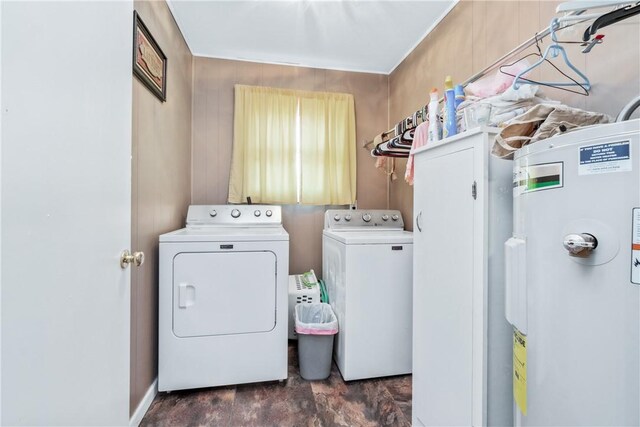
(635, 247)
(605, 158)
(520, 370)
(532, 178)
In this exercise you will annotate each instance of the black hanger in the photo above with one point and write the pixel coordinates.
(538, 54)
(417, 117)
(395, 148)
(377, 152)
(610, 18)
(407, 136)
(384, 149)
(399, 142)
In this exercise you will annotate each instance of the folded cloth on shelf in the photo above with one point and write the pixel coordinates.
(540, 122)
(420, 138)
(506, 105)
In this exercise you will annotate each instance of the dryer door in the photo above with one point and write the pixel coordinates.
(223, 293)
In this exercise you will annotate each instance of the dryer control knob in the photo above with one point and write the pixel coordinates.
(235, 213)
(256, 212)
(268, 212)
(347, 217)
(213, 213)
(336, 217)
(385, 217)
(366, 217)
(395, 217)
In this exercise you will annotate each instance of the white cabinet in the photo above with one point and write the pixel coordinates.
(462, 343)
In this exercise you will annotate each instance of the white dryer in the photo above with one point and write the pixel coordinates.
(223, 298)
(367, 266)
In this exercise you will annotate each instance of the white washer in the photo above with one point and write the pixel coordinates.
(223, 298)
(367, 267)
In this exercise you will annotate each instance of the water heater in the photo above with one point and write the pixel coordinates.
(573, 278)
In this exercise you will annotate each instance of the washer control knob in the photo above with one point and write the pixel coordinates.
(235, 213)
(395, 217)
(366, 217)
(268, 212)
(336, 217)
(385, 217)
(257, 213)
(213, 213)
(347, 217)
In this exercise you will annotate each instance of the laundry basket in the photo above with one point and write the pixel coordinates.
(316, 326)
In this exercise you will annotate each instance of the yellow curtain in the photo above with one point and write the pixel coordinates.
(327, 148)
(263, 164)
(267, 164)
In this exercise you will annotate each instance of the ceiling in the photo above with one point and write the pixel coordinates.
(353, 35)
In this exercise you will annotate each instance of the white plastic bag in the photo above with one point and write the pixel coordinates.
(315, 319)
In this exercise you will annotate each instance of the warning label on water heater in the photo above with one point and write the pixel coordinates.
(520, 370)
(635, 247)
(605, 158)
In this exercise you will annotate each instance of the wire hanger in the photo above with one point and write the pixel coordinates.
(539, 55)
(554, 50)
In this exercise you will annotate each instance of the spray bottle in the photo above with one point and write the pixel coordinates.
(434, 123)
(450, 126)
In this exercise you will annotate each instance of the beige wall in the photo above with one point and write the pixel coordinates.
(213, 139)
(161, 171)
(476, 33)
(180, 157)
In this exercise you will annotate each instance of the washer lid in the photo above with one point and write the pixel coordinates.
(226, 234)
(379, 237)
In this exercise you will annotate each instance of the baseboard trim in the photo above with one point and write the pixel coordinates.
(144, 404)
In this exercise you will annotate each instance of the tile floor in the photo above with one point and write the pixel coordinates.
(296, 402)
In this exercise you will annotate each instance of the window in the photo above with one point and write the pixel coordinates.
(293, 147)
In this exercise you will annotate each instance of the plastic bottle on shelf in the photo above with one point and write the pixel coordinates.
(434, 123)
(459, 91)
(450, 126)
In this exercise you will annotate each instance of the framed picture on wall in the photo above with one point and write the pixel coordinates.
(149, 62)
